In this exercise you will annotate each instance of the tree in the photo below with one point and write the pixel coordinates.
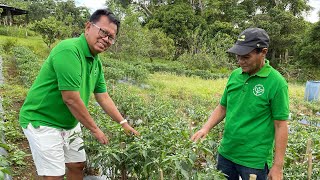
(310, 48)
(64, 11)
(179, 22)
(41, 9)
(285, 31)
(162, 46)
(296, 7)
(50, 29)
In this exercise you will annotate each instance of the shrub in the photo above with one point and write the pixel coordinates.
(164, 145)
(119, 70)
(162, 45)
(51, 29)
(197, 61)
(27, 64)
(16, 31)
(9, 44)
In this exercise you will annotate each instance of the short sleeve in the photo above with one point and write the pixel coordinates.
(67, 66)
(280, 104)
(223, 100)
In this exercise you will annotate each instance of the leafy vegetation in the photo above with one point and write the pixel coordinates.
(166, 109)
(196, 32)
(27, 64)
(50, 29)
(144, 157)
(166, 72)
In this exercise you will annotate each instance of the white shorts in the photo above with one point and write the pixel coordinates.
(51, 149)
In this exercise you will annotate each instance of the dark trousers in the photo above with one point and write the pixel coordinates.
(233, 170)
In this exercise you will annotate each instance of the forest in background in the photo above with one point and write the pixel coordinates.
(195, 32)
(166, 71)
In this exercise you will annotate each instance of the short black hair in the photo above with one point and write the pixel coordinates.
(95, 17)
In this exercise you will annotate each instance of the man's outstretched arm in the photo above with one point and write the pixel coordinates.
(215, 118)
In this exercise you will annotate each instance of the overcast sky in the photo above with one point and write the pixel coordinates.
(91, 4)
(313, 16)
(96, 4)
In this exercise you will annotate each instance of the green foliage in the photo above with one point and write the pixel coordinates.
(197, 61)
(143, 157)
(219, 46)
(285, 31)
(33, 43)
(27, 63)
(295, 7)
(116, 70)
(73, 17)
(65, 11)
(169, 111)
(228, 11)
(281, 19)
(16, 156)
(178, 21)
(296, 156)
(51, 29)
(299, 71)
(16, 31)
(162, 46)
(45, 8)
(138, 71)
(4, 162)
(212, 55)
(310, 47)
(9, 44)
(186, 88)
(184, 71)
(134, 41)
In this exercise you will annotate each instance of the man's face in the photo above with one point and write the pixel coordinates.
(95, 33)
(252, 62)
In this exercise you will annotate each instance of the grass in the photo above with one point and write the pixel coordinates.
(296, 91)
(161, 84)
(193, 86)
(180, 86)
(34, 43)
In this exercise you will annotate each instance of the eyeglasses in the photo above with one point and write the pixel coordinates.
(102, 33)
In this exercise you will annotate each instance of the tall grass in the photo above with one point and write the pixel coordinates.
(181, 86)
(34, 43)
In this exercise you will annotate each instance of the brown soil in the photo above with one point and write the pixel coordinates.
(27, 172)
(10, 71)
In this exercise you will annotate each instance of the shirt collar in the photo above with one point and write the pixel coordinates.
(85, 47)
(264, 71)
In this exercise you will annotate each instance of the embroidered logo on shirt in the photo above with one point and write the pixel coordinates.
(258, 90)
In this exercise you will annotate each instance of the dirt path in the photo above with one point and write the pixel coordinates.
(27, 172)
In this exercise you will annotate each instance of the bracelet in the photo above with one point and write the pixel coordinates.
(123, 121)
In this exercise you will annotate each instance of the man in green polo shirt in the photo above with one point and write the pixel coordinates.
(255, 106)
(58, 99)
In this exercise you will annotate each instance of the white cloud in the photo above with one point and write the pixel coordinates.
(313, 15)
(91, 4)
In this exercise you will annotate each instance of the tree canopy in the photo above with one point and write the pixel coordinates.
(191, 26)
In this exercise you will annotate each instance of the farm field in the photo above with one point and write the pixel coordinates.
(164, 105)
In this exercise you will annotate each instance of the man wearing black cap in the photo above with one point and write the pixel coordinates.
(255, 105)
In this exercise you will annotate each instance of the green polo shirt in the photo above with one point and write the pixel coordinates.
(252, 104)
(70, 66)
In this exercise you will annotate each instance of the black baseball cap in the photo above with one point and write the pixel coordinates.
(249, 40)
